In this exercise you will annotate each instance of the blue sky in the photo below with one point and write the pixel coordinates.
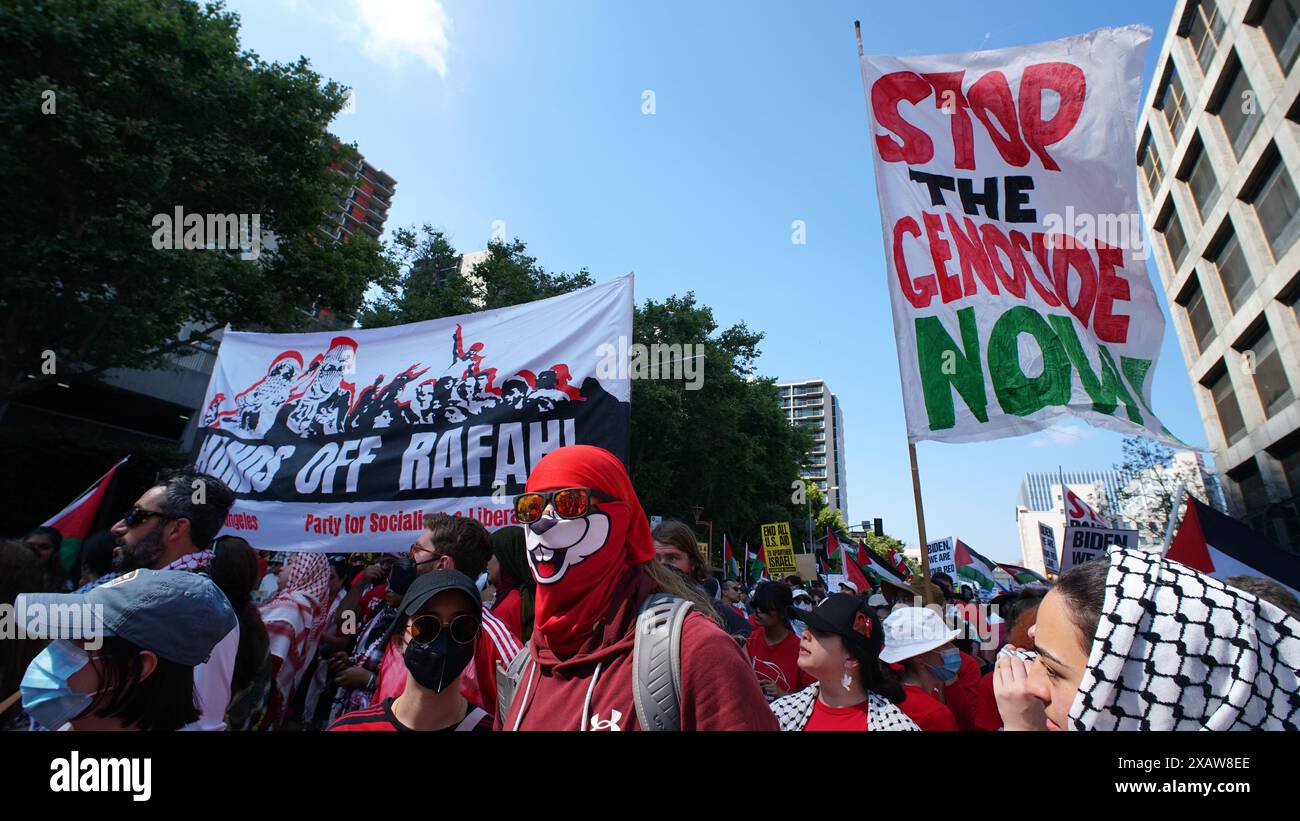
(530, 113)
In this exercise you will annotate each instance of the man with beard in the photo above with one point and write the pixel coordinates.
(167, 529)
(591, 551)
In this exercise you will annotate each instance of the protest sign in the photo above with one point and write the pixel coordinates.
(942, 558)
(1015, 257)
(1083, 544)
(339, 441)
(1047, 537)
(779, 549)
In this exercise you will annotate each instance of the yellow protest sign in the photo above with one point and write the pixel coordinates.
(779, 549)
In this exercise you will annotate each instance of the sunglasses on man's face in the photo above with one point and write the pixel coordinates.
(136, 515)
(569, 503)
(426, 629)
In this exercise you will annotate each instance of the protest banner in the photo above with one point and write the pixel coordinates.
(1015, 257)
(942, 557)
(338, 441)
(779, 549)
(833, 582)
(1083, 544)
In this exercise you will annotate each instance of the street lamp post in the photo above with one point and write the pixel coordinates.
(697, 511)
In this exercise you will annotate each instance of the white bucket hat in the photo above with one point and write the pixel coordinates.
(911, 631)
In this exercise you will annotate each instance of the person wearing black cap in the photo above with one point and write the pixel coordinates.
(438, 621)
(841, 650)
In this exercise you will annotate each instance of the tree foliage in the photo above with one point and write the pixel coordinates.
(116, 111)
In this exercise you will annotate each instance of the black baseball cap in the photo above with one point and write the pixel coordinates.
(430, 584)
(848, 617)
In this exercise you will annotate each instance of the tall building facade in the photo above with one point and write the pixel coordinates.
(1218, 173)
(812, 405)
(364, 208)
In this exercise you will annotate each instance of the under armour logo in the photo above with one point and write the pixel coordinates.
(614, 718)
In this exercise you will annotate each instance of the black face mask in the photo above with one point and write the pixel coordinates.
(402, 574)
(440, 662)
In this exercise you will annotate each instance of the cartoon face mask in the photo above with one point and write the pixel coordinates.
(555, 544)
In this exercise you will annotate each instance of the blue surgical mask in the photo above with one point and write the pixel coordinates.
(47, 696)
(951, 664)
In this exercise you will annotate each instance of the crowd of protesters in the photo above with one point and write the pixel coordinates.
(552, 624)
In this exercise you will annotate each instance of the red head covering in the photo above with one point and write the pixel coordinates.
(569, 608)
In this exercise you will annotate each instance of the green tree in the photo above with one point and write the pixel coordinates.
(115, 111)
(823, 516)
(430, 284)
(723, 443)
(1155, 477)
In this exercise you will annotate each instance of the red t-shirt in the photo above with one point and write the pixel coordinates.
(987, 717)
(928, 712)
(510, 609)
(371, 600)
(838, 718)
(777, 662)
(380, 718)
(960, 693)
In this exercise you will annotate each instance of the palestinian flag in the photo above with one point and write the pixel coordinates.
(877, 566)
(76, 520)
(1221, 546)
(898, 563)
(832, 545)
(756, 564)
(1023, 577)
(973, 567)
(856, 574)
(731, 569)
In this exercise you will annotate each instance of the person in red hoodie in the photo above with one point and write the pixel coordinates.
(592, 556)
(917, 640)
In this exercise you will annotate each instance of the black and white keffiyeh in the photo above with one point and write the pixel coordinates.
(1178, 650)
(793, 711)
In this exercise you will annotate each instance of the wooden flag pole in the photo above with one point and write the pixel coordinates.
(911, 447)
(920, 511)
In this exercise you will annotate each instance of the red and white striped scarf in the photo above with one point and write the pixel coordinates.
(294, 618)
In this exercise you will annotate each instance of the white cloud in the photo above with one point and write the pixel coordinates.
(1063, 436)
(394, 31)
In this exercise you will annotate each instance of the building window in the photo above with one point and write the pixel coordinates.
(1173, 102)
(1200, 178)
(1206, 32)
(1233, 270)
(1281, 24)
(1149, 162)
(1277, 206)
(1239, 109)
(1251, 485)
(1198, 314)
(1225, 402)
(1263, 358)
(1175, 240)
(1289, 456)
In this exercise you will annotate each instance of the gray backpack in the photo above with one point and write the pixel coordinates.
(656, 662)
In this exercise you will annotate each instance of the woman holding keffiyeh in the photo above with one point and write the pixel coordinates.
(294, 618)
(1136, 642)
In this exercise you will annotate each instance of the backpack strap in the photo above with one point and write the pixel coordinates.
(657, 662)
(508, 679)
(472, 720)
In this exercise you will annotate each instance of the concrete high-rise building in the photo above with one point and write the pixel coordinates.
(1129, 500)
(1218, 166)
(812, 405)
(365, 206)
